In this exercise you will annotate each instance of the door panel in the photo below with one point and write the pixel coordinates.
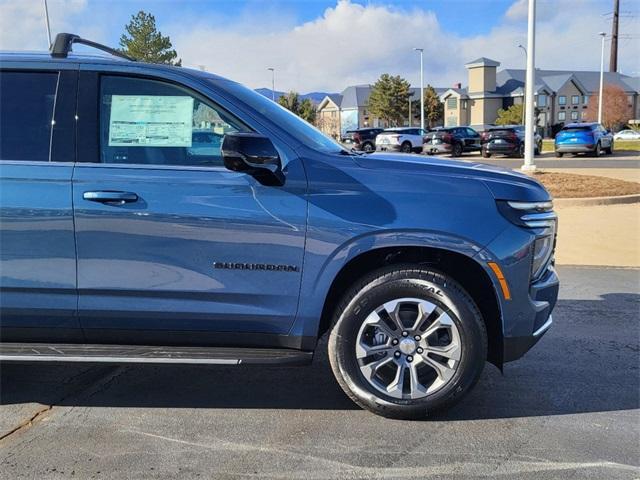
(168, 240)
(149, 264)
(38, 298)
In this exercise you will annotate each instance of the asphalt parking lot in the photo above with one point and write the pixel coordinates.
(569, 409)
(621, 159)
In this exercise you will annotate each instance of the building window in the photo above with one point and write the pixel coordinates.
(584, 115)
(562, 100)
(562, 116)
(574, 115)
(575, 99)
(464, 104)
(452, 103)
(585, 99)
(542, 100)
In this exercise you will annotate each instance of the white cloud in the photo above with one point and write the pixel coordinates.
(348, 44)
(22, 23)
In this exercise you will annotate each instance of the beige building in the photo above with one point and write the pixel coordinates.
(561, 97)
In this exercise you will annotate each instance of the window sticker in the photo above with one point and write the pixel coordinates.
(150, 121)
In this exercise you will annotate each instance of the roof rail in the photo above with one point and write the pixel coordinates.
(63, 43)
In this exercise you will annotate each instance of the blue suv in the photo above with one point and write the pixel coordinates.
(155, 214)
(590, 138)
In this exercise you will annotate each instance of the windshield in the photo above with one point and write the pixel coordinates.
(294, 125)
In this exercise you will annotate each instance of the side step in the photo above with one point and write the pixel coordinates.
(41, 352)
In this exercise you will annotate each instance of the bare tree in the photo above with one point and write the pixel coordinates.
(616, 110)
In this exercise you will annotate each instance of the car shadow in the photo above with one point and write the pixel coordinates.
(588, 362)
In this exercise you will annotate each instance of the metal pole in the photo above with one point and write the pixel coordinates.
(421, 50)
(273, 83)
(46, 18)
(525, 61)
(613, 59)
(603, 35)
(410, 110)
(529, 86)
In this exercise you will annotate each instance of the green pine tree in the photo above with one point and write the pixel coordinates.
(305, 109)
(144, 42)
(510, 116)
(433, 107)
(389, 99)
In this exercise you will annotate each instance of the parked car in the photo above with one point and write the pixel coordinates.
(404, 139)
(508, 140)
(119, 246)
(590, 138)
(363, 139)
(453, 140)
(627, 135)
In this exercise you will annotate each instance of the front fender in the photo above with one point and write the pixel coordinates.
(321, 270)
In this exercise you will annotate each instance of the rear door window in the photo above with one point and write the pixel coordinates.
(149, 122)
(27, 115)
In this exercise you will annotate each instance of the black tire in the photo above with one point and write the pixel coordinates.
(598, 151)
(610, 149)
(367, 147)
(403, 281)
(521, 150)
(456, 151)
(406, 147)
(559, 154)
(485, 154)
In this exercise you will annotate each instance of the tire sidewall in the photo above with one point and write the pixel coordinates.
(419, 285)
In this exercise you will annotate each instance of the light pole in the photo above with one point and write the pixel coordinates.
(529, 86)
(46, 19)
(273, 83)
(421, 50)
(525, 60)
(603, 35)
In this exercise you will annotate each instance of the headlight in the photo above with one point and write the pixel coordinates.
(542, 220)
(542, 251)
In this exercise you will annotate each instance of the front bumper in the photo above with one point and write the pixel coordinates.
(543, 296)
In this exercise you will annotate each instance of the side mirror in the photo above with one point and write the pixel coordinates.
(253, 154)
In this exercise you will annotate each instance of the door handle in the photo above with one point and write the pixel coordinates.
(110, 197)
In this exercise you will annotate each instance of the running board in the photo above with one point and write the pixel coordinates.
(41, 352)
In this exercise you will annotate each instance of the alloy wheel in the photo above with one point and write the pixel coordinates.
(408, 348)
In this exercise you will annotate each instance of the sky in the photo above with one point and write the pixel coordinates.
(323, 45)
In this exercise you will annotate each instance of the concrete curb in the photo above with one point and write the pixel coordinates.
(592, 201)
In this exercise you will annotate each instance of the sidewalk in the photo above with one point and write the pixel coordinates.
(599, 235)
(606, 235)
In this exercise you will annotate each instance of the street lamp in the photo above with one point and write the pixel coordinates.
(529, 87)
(273, 83)
(603, 35)
(421, 50)
(525, 61)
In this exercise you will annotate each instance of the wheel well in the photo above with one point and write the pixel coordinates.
(464, 270)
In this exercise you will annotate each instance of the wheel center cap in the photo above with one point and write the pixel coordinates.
(407, 346)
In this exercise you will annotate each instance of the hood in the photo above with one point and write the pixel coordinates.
(503, 183)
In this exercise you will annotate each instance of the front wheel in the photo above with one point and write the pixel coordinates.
(559, 154)
(406, 147)
(367, 147)
(407, 342)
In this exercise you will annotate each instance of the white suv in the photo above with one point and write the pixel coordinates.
(405, 139)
